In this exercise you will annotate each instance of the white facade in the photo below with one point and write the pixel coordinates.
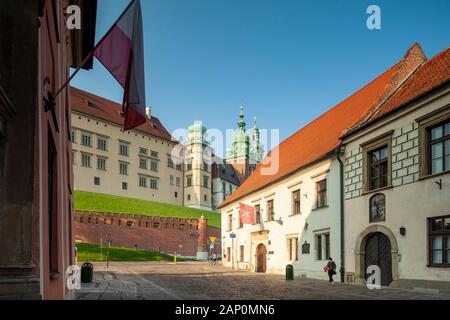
(283, 238)
(412, 196)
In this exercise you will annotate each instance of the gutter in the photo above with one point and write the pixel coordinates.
(339, 151)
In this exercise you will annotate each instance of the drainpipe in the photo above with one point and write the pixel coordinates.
(340, 151)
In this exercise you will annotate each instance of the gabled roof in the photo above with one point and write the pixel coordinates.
(103, 109)
(429, 76)
(321, 137)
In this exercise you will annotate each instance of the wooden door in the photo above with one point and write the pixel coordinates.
(261, 258)
(378, 252)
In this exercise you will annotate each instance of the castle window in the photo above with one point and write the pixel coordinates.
(205, 181)
(182, 226)
(154, 166)
(156, 225)
(143, 151)
(97, 181)
(296, 202)
(101, 164)
(85, 160)
(143, 163)
(189, 181)
(154, 183)
(102, 144)
(124, 185)
(143, 182)
(154, 154)
(123, 168)
(123, 149)
(86, 139)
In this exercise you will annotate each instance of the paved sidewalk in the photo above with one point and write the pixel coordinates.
(201, 281)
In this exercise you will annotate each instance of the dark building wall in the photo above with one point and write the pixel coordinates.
(150, 233)
(18, 75)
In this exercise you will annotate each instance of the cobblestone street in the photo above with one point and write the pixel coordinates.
(200, 281)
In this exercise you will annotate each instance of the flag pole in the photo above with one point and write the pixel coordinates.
(91, 53)
(89, 56)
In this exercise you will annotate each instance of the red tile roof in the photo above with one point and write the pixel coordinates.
(430, 75)
(101, 108)
(322, 136)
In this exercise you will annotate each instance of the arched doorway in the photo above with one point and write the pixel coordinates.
(376, 245)
(261, 259)
(378, 253)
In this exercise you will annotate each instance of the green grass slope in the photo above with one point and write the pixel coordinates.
(93, 253)
(106, 203)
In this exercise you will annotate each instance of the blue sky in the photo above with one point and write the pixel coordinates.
(286, 61)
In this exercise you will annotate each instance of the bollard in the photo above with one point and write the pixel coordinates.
(289, 272)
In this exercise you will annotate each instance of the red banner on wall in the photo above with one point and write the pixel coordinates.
(247, 214)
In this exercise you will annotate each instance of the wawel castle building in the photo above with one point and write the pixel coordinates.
(367, 183)
(148, 163)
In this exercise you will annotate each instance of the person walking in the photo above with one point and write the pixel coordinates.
(330, 268)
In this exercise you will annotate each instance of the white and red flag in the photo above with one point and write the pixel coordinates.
(247, 214)
(121, 51)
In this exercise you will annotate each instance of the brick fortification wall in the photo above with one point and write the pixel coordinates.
(150, 233)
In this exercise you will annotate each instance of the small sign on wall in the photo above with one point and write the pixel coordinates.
(305, 248)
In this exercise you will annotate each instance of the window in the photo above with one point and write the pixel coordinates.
(378, 168)
(74, 135)
(97, 181)
(86, 139)
(154, 166)
(296, 202)
(154, 154)
(228, 254)
(439, 146)
(205, 166)
(377, 162)
(189, 181)
(293, 249)
(170, 162)
(101, 164)
(123, 168)
(321, 193)
(178, 181)
(189, 197)
(377, 208)
(154, 183)
(189, 166)
(74, 154)
(205, 181)
(123, 149)
(143, 163)
(270, 212)
(322, 246)
(257, 214)
(439, 241)
(241, 253)
(171, 180)
(179, 167)
(143, 151)
(102, 144)
(143, 182)
(124, 185)
(230, 222)
(205, 198)
(85, 160)
(176, 194)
